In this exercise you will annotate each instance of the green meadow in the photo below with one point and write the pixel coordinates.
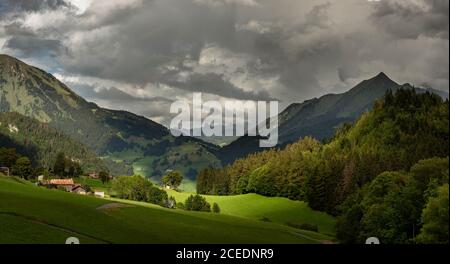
(30, 214)
(273, 209)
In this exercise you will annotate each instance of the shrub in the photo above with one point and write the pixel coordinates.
(197, 203)
(265, 219)
(156, 196)
(170, 203)
(216, 208)
(435, 219)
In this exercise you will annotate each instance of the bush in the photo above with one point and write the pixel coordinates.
(216, 208)
(156, 196)
(197, 203)
(180, 205)
(435, 219)
(265, 219)
(171, 203)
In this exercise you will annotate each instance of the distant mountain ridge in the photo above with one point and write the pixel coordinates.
(320, 117)
(121, 136)
(37, 94)
(134, 144)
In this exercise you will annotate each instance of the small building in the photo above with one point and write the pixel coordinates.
(78, 189)
(4, 170)
(99, 194)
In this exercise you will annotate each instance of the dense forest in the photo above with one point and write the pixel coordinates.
(376, 164)
(42, 143)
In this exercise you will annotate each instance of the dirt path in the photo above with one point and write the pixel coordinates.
(112, 206)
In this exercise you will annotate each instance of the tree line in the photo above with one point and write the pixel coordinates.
(138, 188)
(63, 166)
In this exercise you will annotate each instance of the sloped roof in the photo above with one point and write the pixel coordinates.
(62, 182)
(76, 187)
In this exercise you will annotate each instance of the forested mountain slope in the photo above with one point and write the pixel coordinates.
(134, 142)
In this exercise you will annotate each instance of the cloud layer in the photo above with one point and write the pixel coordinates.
(140, 55)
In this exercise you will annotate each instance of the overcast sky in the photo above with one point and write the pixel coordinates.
(140, 55)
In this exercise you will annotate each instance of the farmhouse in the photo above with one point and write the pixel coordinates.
(67, 184)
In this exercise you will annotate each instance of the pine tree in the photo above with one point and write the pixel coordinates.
(60, 164)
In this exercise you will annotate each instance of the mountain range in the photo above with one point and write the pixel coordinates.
(129, 143)
(134, 143)
(320, 117)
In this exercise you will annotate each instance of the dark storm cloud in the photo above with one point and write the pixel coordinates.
(297, 61)
(16, 29)
(114, 98)
(408, 19)
(29, 43)
(31, 5)
(318, 17)
(346, 73)
(34, 46)
(215, 84)
(113, 94)
(261, 49)
(157, 33)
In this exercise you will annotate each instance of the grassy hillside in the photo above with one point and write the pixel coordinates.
(275, 209)
(95, 184)
(183, 154)
(30, 214)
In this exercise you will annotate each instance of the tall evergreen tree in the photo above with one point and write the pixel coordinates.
(60, 165)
